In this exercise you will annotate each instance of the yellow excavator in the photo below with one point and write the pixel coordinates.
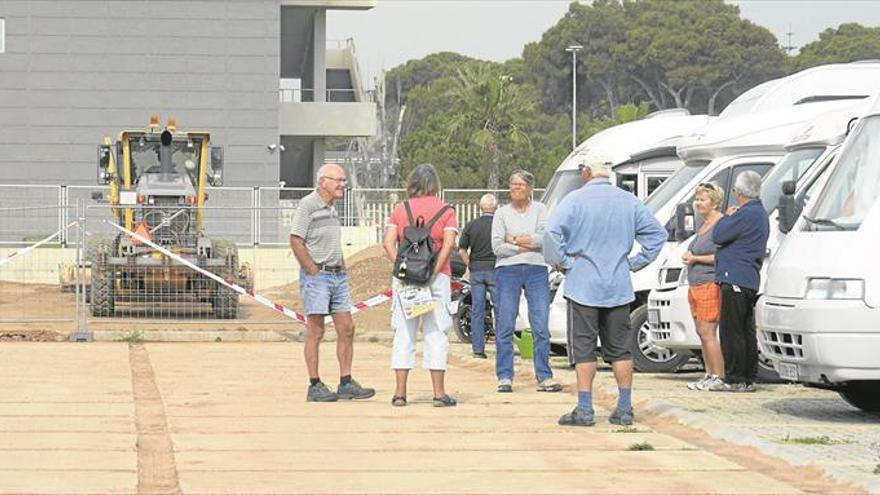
(157, 179)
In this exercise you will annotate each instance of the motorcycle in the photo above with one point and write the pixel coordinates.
(461, 301)
(461, 311)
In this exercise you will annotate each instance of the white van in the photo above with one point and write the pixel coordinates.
(819, 318)
(808, 157)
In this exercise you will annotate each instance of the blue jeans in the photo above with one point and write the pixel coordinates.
(512, 280)
(480, 282)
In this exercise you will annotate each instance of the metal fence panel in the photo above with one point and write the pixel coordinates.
(37, 279)
(251, 216)
(29, 213)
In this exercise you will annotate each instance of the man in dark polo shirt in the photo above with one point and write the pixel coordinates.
(741, 236)
(315, 238)
(477, 238)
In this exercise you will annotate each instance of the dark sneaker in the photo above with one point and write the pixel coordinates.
(445, 401)
(623, 418)
(505, 385)
(353, 390)
(481, 355)
(742, 388)
(320, 393)
(578, 417)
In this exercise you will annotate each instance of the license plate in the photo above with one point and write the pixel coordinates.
(787, 371)
(654, 317)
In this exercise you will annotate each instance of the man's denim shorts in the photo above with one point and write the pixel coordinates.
(324, 293)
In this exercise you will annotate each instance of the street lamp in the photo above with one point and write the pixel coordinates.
(574, 49)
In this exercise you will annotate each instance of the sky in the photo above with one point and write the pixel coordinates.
(399, 30)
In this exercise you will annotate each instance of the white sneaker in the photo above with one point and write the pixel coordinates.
(697, 385)
(716, 384)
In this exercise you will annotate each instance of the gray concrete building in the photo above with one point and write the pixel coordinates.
(258, 74)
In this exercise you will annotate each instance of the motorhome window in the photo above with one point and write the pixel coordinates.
(813, 186)
(652, 182)
(562, 183)
(761, 168)
(673, 184)
(854, 185)
(792, 167)
(628, 182)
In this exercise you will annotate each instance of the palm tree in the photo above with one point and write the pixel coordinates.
(487, 111)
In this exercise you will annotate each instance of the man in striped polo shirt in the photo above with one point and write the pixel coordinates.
(315, 239)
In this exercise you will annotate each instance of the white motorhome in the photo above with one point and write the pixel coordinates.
(808, 157)
(622, 142)
(806, 93)
(821, 83)
(819, 318)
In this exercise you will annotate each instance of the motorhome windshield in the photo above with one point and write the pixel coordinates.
(792, 167)
(673, 184)
(562, 183)
(854, 186)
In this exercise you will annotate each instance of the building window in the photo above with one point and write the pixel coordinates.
(2, 35)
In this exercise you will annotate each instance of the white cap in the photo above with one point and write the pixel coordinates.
(599, 162)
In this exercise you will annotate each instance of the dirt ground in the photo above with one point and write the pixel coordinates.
(42, 312)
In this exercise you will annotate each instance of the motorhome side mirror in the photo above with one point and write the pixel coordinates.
(216, 177)
(788, 208)
(684, 222)
(104, 164)
(851, 124)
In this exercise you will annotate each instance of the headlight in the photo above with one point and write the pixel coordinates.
(835, 288)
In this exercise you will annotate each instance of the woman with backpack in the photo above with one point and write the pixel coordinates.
(419, 238)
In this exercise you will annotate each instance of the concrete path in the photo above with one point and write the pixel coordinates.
(231, 418)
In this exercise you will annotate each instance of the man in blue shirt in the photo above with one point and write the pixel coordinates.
(590, 235)
(741, 236)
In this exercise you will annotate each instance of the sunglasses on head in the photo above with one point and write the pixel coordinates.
(708, 185)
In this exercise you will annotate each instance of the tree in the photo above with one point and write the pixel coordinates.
(600, 29)
(676, 67)
(648, 50)
(422, 72)
(488, 111)
(846, 43)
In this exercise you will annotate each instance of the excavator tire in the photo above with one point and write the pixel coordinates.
(103, 283)
(225, 301)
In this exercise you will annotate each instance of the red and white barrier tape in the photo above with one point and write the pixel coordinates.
(299, 317)
(16, 254)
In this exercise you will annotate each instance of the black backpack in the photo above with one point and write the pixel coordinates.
(416, 254)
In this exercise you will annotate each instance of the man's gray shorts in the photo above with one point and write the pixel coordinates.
(587, 323)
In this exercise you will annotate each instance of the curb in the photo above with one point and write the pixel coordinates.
(738, 436)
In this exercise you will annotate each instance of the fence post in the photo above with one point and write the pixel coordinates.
(62, 214)
(257, 217)
(81, 319)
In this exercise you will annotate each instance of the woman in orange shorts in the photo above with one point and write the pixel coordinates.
(703, 294)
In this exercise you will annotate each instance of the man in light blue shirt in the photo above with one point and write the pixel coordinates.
(590, 235)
